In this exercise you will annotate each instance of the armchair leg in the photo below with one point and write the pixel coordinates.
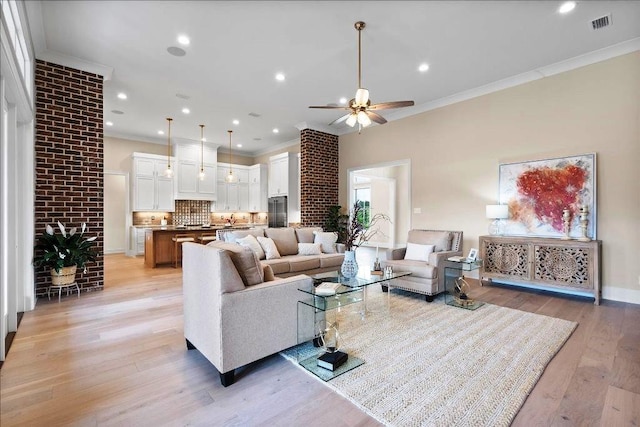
(189, 345)
(385, 288)
(227, 378)
(429, 298)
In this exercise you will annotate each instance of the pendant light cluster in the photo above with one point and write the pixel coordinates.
(201, 175)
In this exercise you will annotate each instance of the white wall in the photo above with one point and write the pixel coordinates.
(116, 212)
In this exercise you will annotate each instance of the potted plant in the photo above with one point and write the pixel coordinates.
(337, 222)
(360, 228)
(63, 253)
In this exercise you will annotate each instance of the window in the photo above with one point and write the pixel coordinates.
(363, 197)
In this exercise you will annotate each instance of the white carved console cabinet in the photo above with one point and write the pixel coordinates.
(569, 266)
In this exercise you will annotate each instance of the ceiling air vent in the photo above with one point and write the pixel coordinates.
(599, 23)
(254, 114)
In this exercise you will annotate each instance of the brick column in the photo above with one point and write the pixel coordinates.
(69, 160)
(318, 176)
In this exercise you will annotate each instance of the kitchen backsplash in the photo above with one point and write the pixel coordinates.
(192, 212)
(151, 218)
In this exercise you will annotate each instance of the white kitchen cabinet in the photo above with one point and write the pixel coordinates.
(258, 188)
(137, 238)
(190, 156)
(232, 196)
(284, 181)
(151, 189)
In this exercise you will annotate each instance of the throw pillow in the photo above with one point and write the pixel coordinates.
(251, 242)
(306, 234)
(245, 261)
(284, 238)
(328, 241)
(269, 247)
(268, 274)
(418, 252)
(309, 248)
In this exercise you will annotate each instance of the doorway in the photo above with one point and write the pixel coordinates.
(384, 188)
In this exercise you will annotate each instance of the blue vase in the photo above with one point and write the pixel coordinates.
(349, 267)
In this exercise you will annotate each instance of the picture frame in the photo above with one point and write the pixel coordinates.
(473, 254)
(538, 192)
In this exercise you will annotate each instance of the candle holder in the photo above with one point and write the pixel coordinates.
(377, 268)
(566, 223)
(584, 221)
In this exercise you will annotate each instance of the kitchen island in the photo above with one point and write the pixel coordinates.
(158, 243)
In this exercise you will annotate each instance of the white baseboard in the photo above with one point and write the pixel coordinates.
(114, 251)
(621, 294)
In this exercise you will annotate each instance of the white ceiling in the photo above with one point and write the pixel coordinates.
(237, 48)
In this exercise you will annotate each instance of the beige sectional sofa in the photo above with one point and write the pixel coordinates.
(232, 315)
(286, 239)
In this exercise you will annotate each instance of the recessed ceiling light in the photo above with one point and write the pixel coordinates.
(183, 40)
(567, 7)
(280, 77)
(275, 130)
(160, 132)
(109, 123)
(176, 51)
(343, 100)
(239, 145)
(423, 67)
(236, 122)
(186, 110)
(122, 95)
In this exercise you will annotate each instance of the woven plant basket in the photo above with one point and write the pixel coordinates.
(66, 276)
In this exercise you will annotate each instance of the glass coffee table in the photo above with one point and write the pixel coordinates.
(347, 291)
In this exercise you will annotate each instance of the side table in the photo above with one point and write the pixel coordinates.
(454, 283)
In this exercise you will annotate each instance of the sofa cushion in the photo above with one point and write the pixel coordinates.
(440, 239)
(245, 260)
(328, 241)
(269, 247)
(417, 268)
(418, 252)
(252, 243)
(305, 234)
(331, 260)
(285, 240)
(309, 248)
(232, 236)
(278, 265)
(302, 263)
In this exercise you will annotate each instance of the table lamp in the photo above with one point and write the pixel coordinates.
(497, 213)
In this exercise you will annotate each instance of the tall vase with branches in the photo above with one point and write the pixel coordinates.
(358, 232)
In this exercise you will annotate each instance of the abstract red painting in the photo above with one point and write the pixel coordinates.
(538, 192)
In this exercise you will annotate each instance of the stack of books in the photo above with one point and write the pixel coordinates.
(332, 361)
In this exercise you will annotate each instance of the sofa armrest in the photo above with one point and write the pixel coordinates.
(438, 259)
(396, 253)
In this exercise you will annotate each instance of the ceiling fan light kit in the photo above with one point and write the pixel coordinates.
(360, 106)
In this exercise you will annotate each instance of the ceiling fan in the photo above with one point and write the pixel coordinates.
(361, 110)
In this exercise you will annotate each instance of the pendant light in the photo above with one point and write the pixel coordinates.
(169, 173)
(201, 174)
(230, 176)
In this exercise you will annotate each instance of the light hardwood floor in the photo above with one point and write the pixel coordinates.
(118, 357)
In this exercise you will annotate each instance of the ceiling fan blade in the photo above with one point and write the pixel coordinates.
(340, 119)
(376, 117)
(392, 104)
(330, 107)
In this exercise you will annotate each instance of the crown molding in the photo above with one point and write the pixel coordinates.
(79, 64)
(596, 56)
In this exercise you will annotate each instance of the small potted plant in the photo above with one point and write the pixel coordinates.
(63, 253)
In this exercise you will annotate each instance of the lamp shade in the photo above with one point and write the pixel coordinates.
(497, 211)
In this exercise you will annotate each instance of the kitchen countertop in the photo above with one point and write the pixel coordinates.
(190, 228)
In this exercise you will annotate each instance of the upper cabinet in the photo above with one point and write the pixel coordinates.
(151, 189)
(246, 193)
(284, 177)
(258, 188)
(190, 156)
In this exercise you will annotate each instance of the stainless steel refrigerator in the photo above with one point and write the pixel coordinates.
(278, 212)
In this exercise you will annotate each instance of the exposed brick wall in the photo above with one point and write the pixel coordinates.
(69, 160)
(318, 176)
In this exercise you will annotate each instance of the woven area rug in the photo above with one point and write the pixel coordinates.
(429, 364)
